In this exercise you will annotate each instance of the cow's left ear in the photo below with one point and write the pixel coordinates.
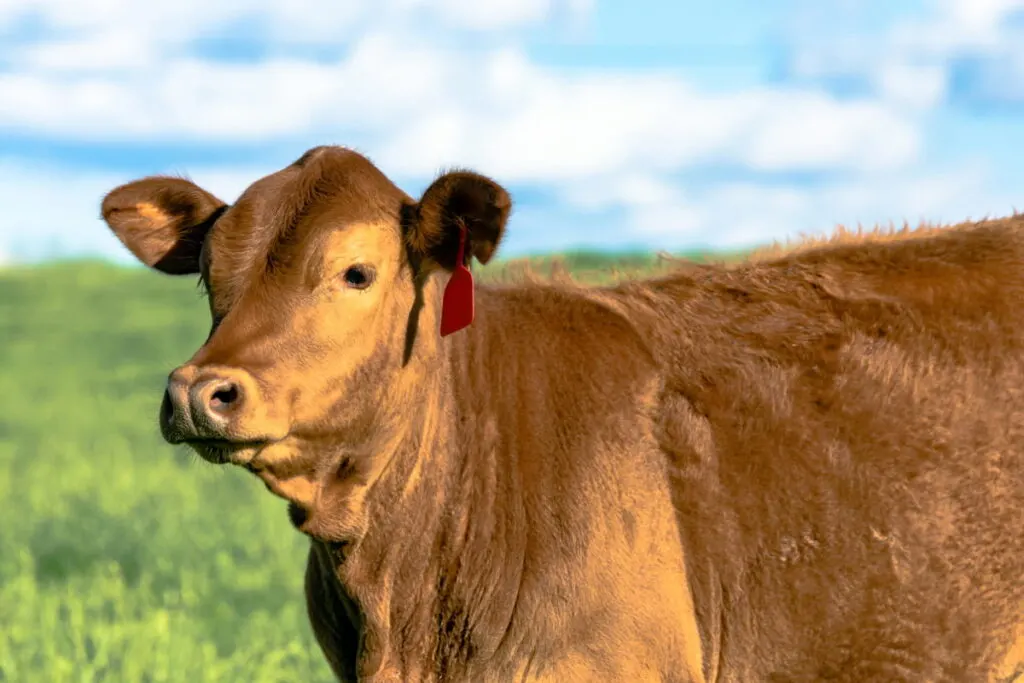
(456, 199)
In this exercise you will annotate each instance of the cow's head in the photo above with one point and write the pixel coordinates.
(323, 282)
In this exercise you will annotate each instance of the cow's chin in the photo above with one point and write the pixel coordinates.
(293, 471)
(286, 469)
(223, 452)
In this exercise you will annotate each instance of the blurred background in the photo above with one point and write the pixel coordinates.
(621, 128)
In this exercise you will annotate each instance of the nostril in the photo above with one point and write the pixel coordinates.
(224, 397)
(214, 402)
(166, 411)
(167, 426)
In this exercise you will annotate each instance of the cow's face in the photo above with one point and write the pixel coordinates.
(322, 281)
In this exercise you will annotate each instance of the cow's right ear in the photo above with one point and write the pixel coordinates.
(163, 221)
(458, 200)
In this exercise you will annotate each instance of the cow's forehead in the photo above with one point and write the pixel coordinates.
(282, 220)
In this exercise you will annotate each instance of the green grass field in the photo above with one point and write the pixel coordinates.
(121, 558)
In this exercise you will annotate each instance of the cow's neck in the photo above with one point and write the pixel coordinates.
(437, 571)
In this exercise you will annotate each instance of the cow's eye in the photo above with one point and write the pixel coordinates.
(359, 277)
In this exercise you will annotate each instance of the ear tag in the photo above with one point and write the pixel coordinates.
(457, 307)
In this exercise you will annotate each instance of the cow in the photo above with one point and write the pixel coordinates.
(806, 466)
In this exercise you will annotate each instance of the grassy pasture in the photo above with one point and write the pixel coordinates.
(121, 558)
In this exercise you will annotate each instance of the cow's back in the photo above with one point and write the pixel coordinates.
(846, 425)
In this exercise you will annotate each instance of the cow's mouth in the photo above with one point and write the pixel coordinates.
(224, 451)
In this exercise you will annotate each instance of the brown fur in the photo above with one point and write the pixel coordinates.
(806, 467)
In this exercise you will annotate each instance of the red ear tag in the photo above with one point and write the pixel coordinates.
(457, 307)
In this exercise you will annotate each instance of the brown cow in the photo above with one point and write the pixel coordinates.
(808, 467)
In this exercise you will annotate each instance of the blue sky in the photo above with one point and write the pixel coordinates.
(660, 124)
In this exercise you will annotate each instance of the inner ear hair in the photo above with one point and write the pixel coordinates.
(163, 221)
(459, 199)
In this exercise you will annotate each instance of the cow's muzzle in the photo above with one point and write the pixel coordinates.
(210, 410)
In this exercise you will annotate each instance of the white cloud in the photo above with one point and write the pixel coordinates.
(908, 61)
(173, 22)
(741, 214)
(975, 21)
(528, 124)
(422, 107)
(810, 130)
(907, 84)
(190, 98)
(744, 214)
(484, 15)
(630, 189)
(103, 50)
(160, 21)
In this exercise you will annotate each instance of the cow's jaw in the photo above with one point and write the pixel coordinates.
(310, 479)
(285, 471)
(299, 489)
